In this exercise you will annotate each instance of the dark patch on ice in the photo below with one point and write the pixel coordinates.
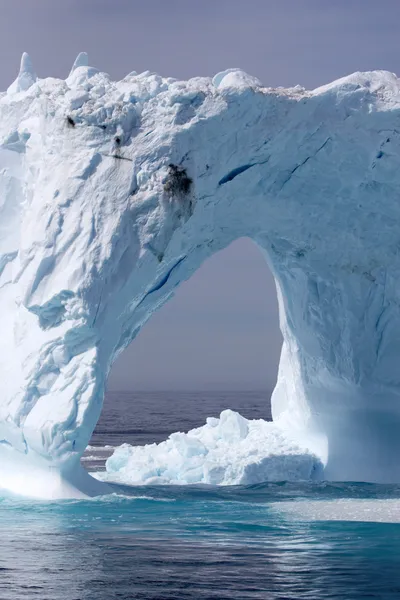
(234, 173)
(301, 252)
(119, 157)
(164, 279)
(178, 181)
(158, 254)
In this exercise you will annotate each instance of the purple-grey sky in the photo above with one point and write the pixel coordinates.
(221, 329)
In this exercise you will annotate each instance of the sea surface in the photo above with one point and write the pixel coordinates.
(280, 541)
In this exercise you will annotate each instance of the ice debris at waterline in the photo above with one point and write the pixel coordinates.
(113, 193)
(230, 450)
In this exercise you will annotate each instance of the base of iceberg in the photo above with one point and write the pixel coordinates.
(38, 479)
(230, 450)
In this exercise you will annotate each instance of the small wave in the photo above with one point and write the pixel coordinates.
(116, 496)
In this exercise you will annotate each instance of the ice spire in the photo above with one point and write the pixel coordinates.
(82, 60)
(26, 76)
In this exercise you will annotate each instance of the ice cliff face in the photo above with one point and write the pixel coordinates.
(111, 194)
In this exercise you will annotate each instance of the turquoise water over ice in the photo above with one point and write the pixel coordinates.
(193, 543)
(273, 541)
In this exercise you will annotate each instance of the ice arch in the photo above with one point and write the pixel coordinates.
(112, 193)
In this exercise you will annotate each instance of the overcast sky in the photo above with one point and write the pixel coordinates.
(221, 329)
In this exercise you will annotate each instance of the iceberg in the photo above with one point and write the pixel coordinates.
(113, 193)
(229, 450)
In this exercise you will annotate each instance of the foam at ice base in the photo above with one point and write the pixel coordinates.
(230, 450)
(341, 509)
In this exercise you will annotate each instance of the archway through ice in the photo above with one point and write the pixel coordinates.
(219, 332)
(214, 346)
(112, 194)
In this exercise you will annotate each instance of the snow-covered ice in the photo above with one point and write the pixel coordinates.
(230, 450)
(113, 193)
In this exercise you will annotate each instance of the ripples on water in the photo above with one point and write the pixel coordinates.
(160, 543)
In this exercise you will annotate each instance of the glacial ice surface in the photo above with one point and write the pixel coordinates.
(229, 450)
(113, 193)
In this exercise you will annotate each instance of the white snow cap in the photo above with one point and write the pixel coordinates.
(26, 76)
(82, 60)
(235, 78)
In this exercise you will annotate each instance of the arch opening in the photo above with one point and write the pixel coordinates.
(214, 346)
(220, 331)
(227, 439)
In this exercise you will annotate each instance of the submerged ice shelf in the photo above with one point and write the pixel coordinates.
(112, 193)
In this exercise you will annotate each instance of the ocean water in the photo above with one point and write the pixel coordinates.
(273, 541)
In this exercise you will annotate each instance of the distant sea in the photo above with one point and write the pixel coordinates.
(280, 541)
